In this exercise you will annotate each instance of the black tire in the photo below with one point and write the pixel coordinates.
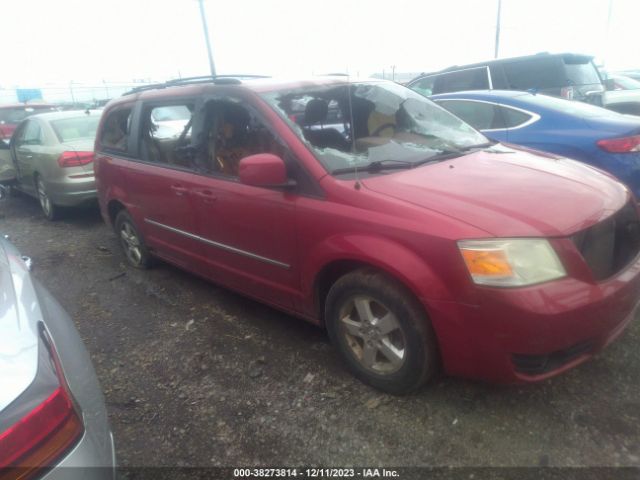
(49, 209)
(413, 334)
(131, 240)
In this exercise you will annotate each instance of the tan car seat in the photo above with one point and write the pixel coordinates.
(381, 125)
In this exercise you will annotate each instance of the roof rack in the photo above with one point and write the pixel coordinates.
(216, 79)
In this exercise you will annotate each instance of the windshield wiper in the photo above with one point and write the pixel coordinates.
(376, 166)
(439, 157)
(488, 144)
(390, 164)
(449, 153)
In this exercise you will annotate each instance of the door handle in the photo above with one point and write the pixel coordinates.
(179, 189)
(207, 195)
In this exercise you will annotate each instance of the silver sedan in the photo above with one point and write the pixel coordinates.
(52, 158)
(52, 412)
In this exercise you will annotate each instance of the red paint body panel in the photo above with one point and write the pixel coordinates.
(509, 194)
(405, 223)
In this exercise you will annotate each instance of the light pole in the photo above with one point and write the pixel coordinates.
(497, 48)
(606, 37)
(206, 38)
(73, 98)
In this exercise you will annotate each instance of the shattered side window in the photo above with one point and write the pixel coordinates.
(116, 130)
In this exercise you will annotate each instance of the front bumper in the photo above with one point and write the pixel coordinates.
(533, 333)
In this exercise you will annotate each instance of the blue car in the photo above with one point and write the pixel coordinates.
(594, 135)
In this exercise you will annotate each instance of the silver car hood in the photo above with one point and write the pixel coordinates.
(19, 316)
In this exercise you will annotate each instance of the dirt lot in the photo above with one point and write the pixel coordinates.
(195, 375)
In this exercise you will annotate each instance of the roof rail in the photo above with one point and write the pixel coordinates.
(216, 79)
(142, 88)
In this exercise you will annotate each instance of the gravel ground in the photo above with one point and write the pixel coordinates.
(195, 375)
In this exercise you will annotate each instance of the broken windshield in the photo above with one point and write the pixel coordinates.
(353, 125)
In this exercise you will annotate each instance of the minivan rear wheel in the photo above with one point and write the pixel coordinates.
(131, 241)
(381, 332)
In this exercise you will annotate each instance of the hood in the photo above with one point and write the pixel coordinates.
(510, 194)
(19, 316)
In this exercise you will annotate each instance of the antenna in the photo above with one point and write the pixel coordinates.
(353, 131)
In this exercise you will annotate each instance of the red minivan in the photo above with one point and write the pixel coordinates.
(365, 208)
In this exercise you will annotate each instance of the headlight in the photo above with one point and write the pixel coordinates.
(511, 262)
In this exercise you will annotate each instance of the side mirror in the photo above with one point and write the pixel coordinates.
(263, 170)
(609, 84)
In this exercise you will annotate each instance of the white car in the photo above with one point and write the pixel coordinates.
(622, 95)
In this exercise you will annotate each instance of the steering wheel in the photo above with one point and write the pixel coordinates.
(381, 128)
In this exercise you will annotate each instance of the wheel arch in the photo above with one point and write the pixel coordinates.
(113, 208)
(383, 255)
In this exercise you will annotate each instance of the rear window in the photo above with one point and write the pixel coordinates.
(471, 79)
(480, 115)
(535, 73)
(76, 128)
(15, 115)
(581, 73)
(514, 118)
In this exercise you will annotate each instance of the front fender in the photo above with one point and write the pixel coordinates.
(384, 254)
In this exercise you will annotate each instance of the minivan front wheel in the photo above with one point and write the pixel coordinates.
(132, 244)
(381, 332)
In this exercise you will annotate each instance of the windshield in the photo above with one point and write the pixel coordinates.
(76, 128)
(625, 83)
(361, 123)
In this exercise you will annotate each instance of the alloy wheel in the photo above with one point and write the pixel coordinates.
(373, 334)
(45, 202)
(131, 243)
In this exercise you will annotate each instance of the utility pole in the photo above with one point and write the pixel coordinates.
(393, 73)
(73, 98)
(606, 42)
(497, 49)
(206, 38)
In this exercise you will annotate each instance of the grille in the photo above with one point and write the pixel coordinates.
(539, 364)
(610, 245)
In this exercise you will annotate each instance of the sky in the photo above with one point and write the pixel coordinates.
(94, 41)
